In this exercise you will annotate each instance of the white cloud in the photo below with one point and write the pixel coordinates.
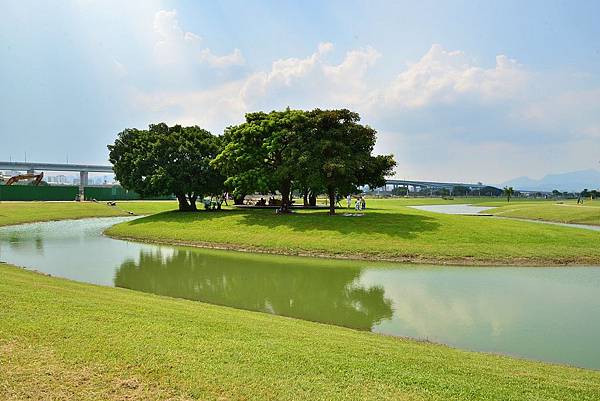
(314, 81)
(209, 108)
(354, 66)
(284, 72)
(297, 82)
(167, 26)
(442, 76)
(348, 78)
(445, 104)
(176, 46)
(235, 58)
(570, 114)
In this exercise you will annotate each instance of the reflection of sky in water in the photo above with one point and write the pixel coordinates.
(453, 209)
(65, 249)
(541, 313)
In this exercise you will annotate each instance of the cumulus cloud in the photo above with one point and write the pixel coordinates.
(348, 77)
(175, 45)
(210, 108)
(235, 58)
(283, 73)
(444, 104)
(442, 76)
(315, 80)
(307, 82)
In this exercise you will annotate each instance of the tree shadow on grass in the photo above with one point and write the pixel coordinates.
(400, 225)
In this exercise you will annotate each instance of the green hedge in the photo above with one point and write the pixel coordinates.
(40, 193)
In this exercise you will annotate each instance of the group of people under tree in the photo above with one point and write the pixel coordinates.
(359, 204)
(311, 152)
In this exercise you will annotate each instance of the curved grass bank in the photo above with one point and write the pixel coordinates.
(564, 212)
(66, 340)
(388, 231)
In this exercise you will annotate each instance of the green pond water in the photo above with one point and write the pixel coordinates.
(550, 314)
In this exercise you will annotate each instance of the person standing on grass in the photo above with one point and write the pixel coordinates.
(349, 200)
(363, 203)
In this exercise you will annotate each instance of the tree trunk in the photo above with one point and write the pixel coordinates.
(285, 198)
(331, 193)
(312, 199)
(192, 199)
(184, 206)
(305, 198)
(239, 199)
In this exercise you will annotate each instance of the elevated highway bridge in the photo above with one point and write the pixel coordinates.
(432, 185)
(84, 169)
(435, 184)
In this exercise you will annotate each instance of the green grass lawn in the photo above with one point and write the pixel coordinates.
(72, 341)
(563, 212)
(388, 230)
(24, 212)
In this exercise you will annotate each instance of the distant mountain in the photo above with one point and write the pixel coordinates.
(573, 182)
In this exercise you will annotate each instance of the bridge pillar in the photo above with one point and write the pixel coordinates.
(83, 181)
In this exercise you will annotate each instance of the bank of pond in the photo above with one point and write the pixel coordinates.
(550, 314)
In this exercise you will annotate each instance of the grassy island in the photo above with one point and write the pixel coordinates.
(389, 230)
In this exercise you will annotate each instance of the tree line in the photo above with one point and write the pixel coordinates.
(308, 152)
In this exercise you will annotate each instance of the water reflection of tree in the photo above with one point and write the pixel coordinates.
(16, 241)
(306, 290)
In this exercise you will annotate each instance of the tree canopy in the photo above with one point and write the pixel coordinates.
(311, 151)
(167, 160)
(259, 155)
(342, 153)
(318, 151)
(508, 192)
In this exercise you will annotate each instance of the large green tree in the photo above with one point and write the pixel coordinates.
(312, 152)
(342, 153)
(167, 160)
(260, 155)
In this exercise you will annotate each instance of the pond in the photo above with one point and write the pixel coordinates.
(550, 314)
(453, 209)
(473, 210)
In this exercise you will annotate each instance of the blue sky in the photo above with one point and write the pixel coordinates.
(458, 90)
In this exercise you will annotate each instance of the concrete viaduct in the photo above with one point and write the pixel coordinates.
(430, 184)
(84, 169)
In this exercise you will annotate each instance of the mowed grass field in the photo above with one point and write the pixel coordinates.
(562, 212)
(25, 212)
(63, 340)
(389, 230)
